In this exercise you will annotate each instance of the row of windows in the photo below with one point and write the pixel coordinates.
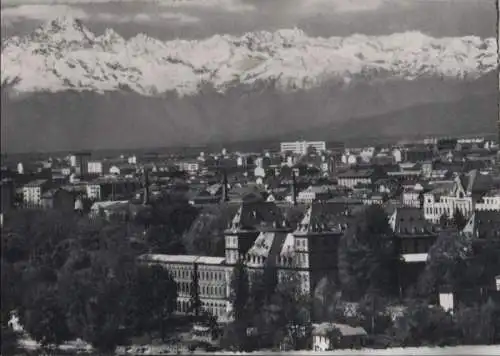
(232, 241)
(210, 290)
(301, 243)
(232, 255)
(216, 309)
(440, 210)
(203, 275)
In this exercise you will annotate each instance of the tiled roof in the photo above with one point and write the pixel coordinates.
(258, 215)
(325, 217)
(487, 223)
(410, 221)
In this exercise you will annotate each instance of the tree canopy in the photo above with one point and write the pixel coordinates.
(368, 256)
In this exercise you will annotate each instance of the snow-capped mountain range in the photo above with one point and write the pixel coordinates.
(63, 54)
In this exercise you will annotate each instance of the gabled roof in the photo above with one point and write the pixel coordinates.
(257, 216)
(484, 224)
(324, 217)
(268, 244)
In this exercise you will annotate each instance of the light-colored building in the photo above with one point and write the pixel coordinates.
(351, 179)
(79, 161)
(301, 147)
(314, 193)
(189, 166)
(33, 191)
(489, 202)
(214, 278)
(345, 336)
(466, 193)
(95, 168)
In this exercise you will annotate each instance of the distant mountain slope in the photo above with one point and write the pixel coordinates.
(77, 120)
(468, 116)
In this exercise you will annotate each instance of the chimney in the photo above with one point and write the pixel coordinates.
(294, 188)
(225, 196)
(146, 187)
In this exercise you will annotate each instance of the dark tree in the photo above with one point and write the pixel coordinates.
(162, 239)
(476, 324)
(444, 220)
(459, 220)
(424, 325)
(368, 257)
(294, 306)
(153, 299)
(446, 264)
(45, 320)
(194, 291)
(239, 298)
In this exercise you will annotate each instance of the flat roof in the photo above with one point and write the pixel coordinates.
(190, 259)
(36, 183)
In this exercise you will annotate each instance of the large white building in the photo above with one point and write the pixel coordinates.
(301, 147)
(214, 278)
(32, 193)
(95, 167)
(259, 235)
(467, 193)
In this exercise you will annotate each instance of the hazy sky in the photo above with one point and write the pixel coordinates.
(167, 19)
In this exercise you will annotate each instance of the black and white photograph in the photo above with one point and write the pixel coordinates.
(220, 177)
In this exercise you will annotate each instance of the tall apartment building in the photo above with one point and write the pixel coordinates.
(79, 161)
(301, 147)
(95, 168)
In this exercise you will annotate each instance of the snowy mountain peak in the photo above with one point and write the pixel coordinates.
(63, 54)
(64, 28)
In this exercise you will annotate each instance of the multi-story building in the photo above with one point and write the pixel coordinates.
(465, 193)
(79, 161)
(414, 237)
(310, 249)
(95, 168)
(189, 166)
(213, 280)
(483, 224)
(33, 191)
(353, 178)
(489, 202)
(301, 147)
(111, 188)
(314, 193)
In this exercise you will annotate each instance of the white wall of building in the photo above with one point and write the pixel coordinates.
(301, 147)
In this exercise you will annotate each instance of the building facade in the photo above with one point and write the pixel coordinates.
(466, 193)
(301, 147)
(214, 278)
(33, 191)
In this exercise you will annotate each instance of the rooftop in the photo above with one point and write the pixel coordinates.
(188, 259)
(36, 183)
(346, 330)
